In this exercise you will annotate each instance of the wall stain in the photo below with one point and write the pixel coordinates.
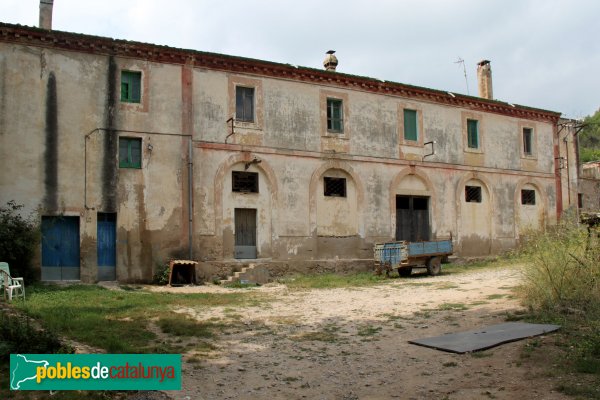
(51, 149)
(145, 234)
(4, 96)
(109, 166)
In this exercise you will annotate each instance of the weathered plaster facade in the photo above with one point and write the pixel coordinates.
(65, 110)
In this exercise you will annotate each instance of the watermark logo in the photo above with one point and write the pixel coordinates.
(95, 371)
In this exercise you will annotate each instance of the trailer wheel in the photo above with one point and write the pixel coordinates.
(404, 272)
(434, 266)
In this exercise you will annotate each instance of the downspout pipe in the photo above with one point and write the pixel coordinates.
(190, 199)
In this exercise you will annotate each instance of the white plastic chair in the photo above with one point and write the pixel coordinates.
(12, 287)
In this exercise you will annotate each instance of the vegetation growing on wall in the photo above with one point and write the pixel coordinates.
(18, 239)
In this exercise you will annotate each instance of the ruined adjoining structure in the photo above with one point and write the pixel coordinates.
(133, 153)
(589, 187)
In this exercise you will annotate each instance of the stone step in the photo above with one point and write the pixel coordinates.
(250, 273)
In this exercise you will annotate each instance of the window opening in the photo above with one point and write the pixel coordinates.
(473, 194)
(334, 115)
(244, 104)
(410, 125)
(244, 182)
(335, 187)
(527, 142)
(130, 152)
(528, 197)
(472, 133)
(131, 84)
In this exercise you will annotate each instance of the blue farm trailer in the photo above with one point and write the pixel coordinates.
(405, 256)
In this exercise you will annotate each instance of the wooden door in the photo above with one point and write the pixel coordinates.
(245, 233)
(412, 218)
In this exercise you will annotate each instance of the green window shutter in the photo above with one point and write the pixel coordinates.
(410, 125)
(335, 116)
(473, 133)
(135, 153)
(123, 153)
(131, 86)
(130, 152)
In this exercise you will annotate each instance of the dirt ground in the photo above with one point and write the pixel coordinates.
(353, 344)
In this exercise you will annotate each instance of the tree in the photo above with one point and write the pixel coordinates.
(589, 138)
(18, 239)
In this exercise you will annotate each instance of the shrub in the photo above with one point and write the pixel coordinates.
(161, 276)
(18, 239)
(564, 271)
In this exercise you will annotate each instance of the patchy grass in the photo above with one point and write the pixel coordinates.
(182, 325)
(333, 281)
(329, 334)
(320, 336)
(446, 285)
(115, 320)
(453, 307)
(450, 364)
(368, 330)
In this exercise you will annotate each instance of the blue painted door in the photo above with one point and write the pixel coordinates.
(107, 252)
(60, 248)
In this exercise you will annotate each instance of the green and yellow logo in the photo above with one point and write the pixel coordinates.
(95, 371)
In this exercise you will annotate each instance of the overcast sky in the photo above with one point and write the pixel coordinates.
(544, 53)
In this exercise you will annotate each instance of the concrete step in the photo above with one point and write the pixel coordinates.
(248, 274)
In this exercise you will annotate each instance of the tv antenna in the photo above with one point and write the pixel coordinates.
(461, 61)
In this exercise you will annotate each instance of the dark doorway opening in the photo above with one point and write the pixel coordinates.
(412, 218)
(245, 233)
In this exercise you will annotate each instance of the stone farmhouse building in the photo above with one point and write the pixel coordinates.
(132, 153)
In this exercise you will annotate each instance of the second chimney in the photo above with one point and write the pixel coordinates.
(484, 79)
(46, 14)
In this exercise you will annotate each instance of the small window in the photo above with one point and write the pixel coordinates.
(244, 182)
(472, 133)
(131, 86)
(130, 152)
(335, 187)
(244, 104)
(579, 200)
(528, 197)
(410, 125)
(527, 141)
(335, 119)
(473, 194)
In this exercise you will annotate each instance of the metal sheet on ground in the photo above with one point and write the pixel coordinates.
(485, 338)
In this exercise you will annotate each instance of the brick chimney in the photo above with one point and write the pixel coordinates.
(484, 79)
(46, 14)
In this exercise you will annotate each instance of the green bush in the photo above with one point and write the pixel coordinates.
(563, 275)
(19, 237)
(161, 276)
